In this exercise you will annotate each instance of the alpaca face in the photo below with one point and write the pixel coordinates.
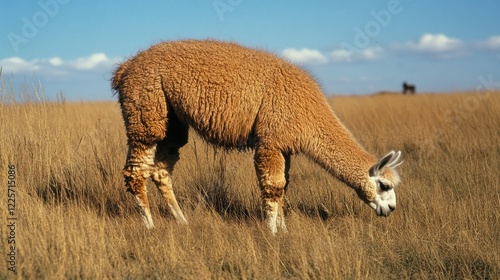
(385, 200)
(384, 179)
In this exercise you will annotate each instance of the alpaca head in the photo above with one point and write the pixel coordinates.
(384, 179)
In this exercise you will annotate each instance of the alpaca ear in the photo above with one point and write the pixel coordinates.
(389, 160)
(395, 160)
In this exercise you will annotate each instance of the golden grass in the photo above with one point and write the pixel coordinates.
(75, 219)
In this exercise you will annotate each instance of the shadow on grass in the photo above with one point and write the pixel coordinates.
(63, 189)
(218, 197)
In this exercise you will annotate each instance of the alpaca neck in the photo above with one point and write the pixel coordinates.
(335, 149)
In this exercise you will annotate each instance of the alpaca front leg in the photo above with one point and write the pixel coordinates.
(281, 213)
(273, 208)
(280, 219)
(270, 167)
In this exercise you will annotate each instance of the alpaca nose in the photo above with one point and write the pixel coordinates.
(385, 210)
(386, 213)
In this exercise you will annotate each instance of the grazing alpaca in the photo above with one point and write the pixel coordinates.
(236, 97)
(408, 88)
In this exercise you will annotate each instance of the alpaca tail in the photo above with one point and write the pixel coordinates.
(143, 104)
(118, 77)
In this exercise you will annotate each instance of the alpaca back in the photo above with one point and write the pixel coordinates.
(214, 87)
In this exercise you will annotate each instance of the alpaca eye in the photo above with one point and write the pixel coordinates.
(384, 187)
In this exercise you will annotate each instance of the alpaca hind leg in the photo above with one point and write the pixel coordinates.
(166, 157)
(167, 154)
(137, 170)
(270, 165)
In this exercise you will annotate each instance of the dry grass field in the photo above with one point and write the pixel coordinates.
(75, 220)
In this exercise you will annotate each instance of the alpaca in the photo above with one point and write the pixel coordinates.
(408, 88)
(235, 97)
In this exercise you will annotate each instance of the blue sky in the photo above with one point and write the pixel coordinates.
(350, 47)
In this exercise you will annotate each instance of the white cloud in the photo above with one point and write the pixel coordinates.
(16, 65)
(370, 54)
(366, 54)
(336, 56)
(341, 55)
(56, 65)
(304, 55)
(91, 62)
(56, 61)
(492, 43)
(435, 43)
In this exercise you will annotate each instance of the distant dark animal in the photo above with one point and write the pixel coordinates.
(409, 88)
